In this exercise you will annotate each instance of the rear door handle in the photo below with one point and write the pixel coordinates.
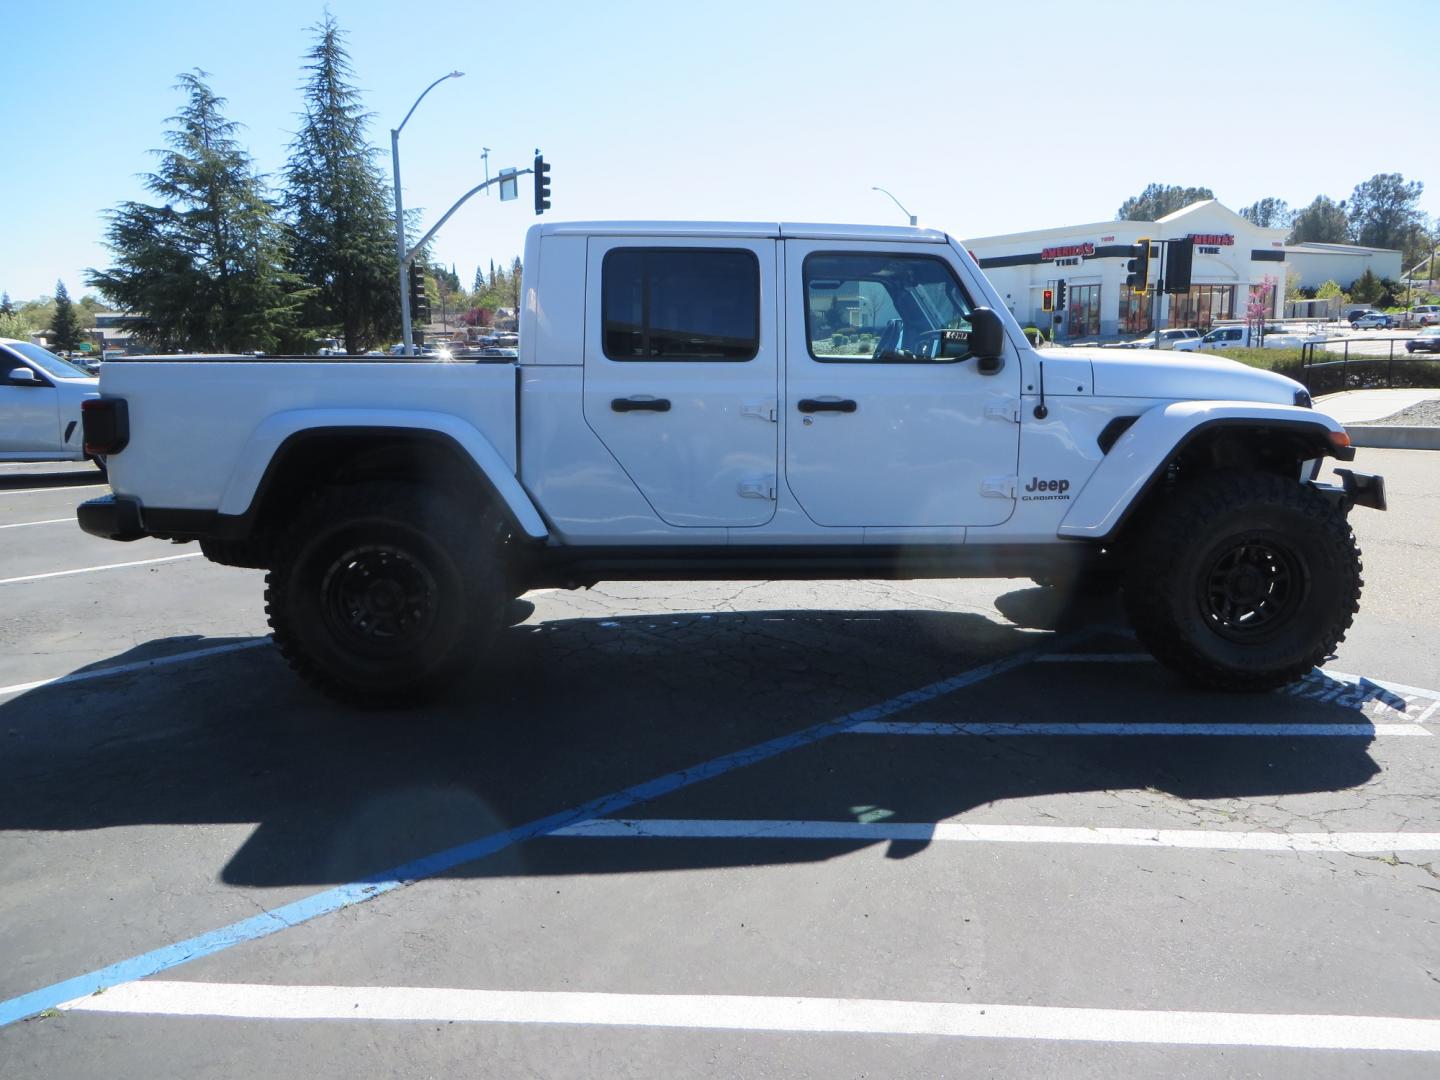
(622, 404)
(817, 405)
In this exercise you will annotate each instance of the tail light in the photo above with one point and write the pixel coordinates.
(107, 425)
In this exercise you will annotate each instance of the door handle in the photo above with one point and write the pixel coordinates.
(809, 405)
(621, 404)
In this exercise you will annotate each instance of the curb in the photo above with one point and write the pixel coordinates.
(1388, 437)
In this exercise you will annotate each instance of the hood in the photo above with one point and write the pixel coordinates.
(1187, 376)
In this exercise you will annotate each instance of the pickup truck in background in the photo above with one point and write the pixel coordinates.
(1243, 337)
(739, 401)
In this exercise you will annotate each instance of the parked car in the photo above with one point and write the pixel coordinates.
(40, 397)
(1372, 320)
(1426, 314)
(1425, 341)
(1168, 339)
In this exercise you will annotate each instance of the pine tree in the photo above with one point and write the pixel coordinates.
(479, 285)
(204, 267)
(6, 307)
(64, 327)
(339, 205)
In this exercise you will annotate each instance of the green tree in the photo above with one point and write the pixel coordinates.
(1324, 221)
(6, 307)
(65, 327)
(1157, 200)
(204, 264)
(1268, 213)
(1383, 210)
(339, 205)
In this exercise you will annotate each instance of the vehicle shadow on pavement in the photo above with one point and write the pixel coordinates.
(569, 710)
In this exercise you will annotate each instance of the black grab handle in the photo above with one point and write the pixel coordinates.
(814, 405)
(621, 404)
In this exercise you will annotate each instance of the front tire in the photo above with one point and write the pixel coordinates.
(1244, 581)
(379, 595)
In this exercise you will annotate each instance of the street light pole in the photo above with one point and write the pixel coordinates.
(897, 203)
(400, 214)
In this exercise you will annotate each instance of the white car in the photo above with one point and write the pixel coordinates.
(40, 397)
(1169, 339)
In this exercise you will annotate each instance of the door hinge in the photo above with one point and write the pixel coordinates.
(999, 487)
(761, 410)
(758, 487)
(1003, 409)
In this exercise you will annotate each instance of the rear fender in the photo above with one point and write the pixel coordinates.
(1140, 456)
(260, 451)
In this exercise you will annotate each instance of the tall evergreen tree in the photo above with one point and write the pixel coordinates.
(64, 327)
(1383, 210)
(339, 205)
(1157, 200)
(479, 281)
(1268, 213)
(6, 307)
(1322, 222)
(204, 267)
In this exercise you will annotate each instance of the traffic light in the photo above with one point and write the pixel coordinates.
(1179, 263)
(1047, 300)
(1060, 292)
(419, 301)
(542, 185)
(1137, 270)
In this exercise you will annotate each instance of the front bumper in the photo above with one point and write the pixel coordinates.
(112, 517)
(1359, 489)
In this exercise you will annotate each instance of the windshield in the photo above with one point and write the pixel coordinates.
(48, 362)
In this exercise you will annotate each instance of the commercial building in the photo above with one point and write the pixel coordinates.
(1235, 263)
(1340, 263)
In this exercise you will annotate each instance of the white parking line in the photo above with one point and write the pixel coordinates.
(93, 569)
(794, 1014)
(47, 521)
(138, 665)
(894, 727)
(58, 487)
(957, 832)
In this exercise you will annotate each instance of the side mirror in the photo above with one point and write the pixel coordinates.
(23, 374)
(987, 341)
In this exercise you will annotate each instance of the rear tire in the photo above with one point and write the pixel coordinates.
(380, 596)
(1244, 581)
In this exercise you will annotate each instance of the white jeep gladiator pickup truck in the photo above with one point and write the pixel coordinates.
(706, 400)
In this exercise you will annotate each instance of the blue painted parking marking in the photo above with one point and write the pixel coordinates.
(357, 892)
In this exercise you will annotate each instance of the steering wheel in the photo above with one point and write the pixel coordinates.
(890, 340)
(930, 343)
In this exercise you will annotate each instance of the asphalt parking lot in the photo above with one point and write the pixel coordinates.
(934, 828)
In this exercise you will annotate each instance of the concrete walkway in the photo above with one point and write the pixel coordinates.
(1362, 406)
(1357, 409)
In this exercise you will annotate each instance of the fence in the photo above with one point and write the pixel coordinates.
(1350, 364)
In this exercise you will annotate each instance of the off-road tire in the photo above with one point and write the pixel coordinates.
(379, 594)
(1243, 581)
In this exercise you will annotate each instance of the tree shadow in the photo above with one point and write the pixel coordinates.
(568, 710)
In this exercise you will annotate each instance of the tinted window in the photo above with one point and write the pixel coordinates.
(881, 308)
(680, 304)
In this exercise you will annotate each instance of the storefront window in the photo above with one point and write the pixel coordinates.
(1136, 311)
(1203, 306)
(1083, 312)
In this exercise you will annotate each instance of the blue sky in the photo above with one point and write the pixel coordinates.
(981, 117)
